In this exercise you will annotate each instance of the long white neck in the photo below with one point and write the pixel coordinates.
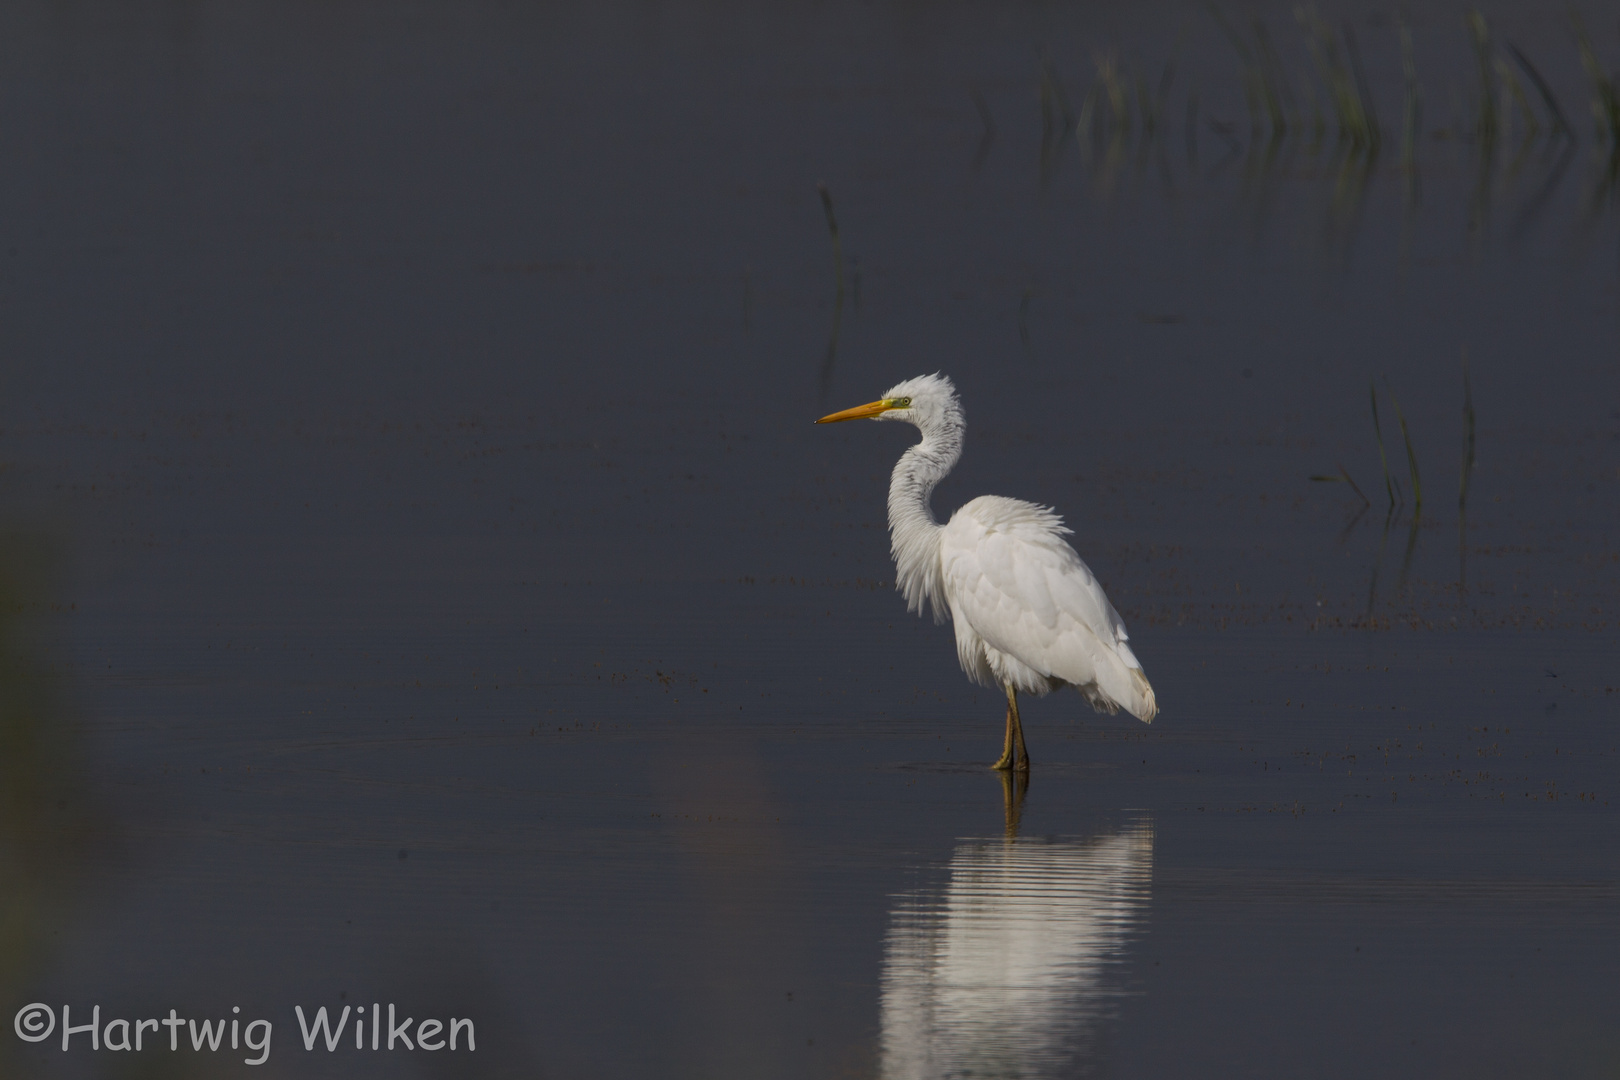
(913, 533)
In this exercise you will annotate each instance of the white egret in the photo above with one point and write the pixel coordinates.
(1028, 613)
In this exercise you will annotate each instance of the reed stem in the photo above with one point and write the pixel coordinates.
(837, 245)
(1378, 433)
(1411, 460)
(1468, 437)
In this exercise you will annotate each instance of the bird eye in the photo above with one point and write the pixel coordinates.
(900, 403)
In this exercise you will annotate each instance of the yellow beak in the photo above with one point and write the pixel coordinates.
(859, 412)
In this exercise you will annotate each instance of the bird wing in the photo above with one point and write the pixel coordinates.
(1023, 589)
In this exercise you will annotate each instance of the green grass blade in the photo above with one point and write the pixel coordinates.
(1548, 98)
(1364, 102)
(1411, 459)
(1342, 477)
(1468, 438)
(1378, 433)
(1480, 31)
(1412, 110)
(832, 228)
(1605, 94)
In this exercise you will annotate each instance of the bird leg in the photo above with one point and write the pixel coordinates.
(1018, 729)
(1005, 761)
(1013, 748)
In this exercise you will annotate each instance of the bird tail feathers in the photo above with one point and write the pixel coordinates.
(1143, 705)
(1122, 687)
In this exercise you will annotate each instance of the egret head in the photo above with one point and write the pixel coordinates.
(926, 401)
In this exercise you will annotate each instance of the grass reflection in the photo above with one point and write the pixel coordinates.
(1312, 115)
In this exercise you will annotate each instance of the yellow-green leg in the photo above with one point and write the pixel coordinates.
(1005, 761)
(1013, 746)
(1018, 729)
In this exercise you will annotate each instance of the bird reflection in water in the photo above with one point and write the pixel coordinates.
(1010, 967)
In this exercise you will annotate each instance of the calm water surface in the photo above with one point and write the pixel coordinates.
(421, 583)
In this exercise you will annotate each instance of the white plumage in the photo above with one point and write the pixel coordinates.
(1028, 613)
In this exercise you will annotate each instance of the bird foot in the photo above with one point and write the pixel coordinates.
(1005, 763)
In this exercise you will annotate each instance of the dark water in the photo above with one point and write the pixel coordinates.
(422, 583)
